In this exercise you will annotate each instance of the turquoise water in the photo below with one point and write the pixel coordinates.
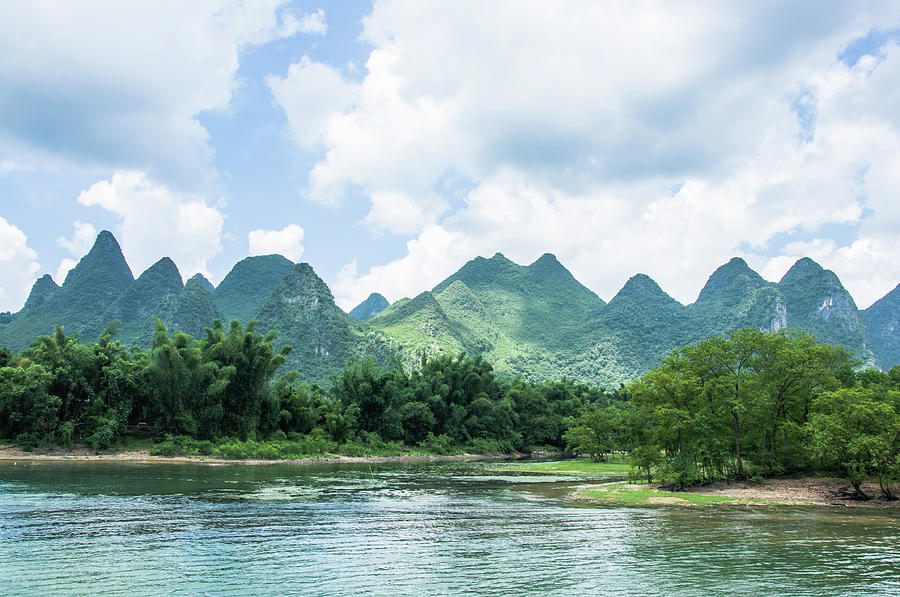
(449, 529)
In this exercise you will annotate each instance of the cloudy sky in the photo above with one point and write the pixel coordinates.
(388, 143)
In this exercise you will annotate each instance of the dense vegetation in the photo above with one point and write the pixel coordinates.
(750, 404)
(754, 403)
(220, 393)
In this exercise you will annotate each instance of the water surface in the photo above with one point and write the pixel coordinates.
(424, 529)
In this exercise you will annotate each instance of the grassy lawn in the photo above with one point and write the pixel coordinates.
(625, 494)
(580, 466)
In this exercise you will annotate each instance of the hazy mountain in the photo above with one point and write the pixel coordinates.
(249, 284)
(370, 307)
(883, 329)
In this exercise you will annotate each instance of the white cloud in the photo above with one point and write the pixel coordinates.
(315, 93)
(154, 221)
(119, 84)
(313, 23)
(18, 267)
(612, 136)
(62, 270)
(82, 239)
(287, 242)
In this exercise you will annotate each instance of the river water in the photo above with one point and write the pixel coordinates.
(426, 529)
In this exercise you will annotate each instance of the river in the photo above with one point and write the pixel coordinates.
(81, 528)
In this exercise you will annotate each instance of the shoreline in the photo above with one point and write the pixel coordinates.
(12, 454)
(817, 492)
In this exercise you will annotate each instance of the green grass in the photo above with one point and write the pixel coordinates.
(579, 466)
(625, 494)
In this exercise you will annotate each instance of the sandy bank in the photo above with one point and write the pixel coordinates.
(808, 491)
(83, 455)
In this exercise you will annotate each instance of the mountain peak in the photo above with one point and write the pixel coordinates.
(103, 272)
(303, 286)
(546, 261)
(641, 288)
(640, 283)
(164, 267)
(734, 279)
(370, 307)
(203, 282)
(802, 268)
(501, 259)
(137, 302)
(249, 284)
(42, 290)
(303, 312)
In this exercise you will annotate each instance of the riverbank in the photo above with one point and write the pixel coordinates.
(16, 454)
(809, 491)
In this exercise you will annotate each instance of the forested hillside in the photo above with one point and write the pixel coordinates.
(536, 321)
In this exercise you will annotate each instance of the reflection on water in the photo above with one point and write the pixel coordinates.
(126, 529)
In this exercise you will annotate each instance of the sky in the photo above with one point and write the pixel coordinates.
(387, 143)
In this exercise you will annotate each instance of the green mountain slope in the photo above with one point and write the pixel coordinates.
(816, 301)
(525, 320)
(139, 301)
(736, 297)
(98, 279)
(370, 307)
(249, 284)
(204, 282)
(534, 321)
(883, 329)
(190, 311)
(541, 304)
(42, 290)
(417, 325)
(639, 326)
(303, 312)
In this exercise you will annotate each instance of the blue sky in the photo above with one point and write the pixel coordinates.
(387, 143)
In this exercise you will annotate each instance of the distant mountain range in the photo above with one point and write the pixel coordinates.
(535, 321)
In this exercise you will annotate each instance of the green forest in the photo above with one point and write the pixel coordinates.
(751, 404)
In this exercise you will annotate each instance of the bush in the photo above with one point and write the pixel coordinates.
(67, 434)
(103, 437)
(441, 444)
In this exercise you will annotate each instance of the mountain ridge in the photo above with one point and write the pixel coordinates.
(535, 321)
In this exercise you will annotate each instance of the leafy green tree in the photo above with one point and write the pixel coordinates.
(596, 433)
(26, 405)
(239, 368)
(417, 420)
(856, 429)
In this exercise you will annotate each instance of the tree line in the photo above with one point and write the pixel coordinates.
(750, 404)
(224, 386)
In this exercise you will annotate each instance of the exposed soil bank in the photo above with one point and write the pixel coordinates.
(809, 491)
(11, 453)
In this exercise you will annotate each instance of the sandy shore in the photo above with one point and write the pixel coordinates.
(810, 491)
(16, 454)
